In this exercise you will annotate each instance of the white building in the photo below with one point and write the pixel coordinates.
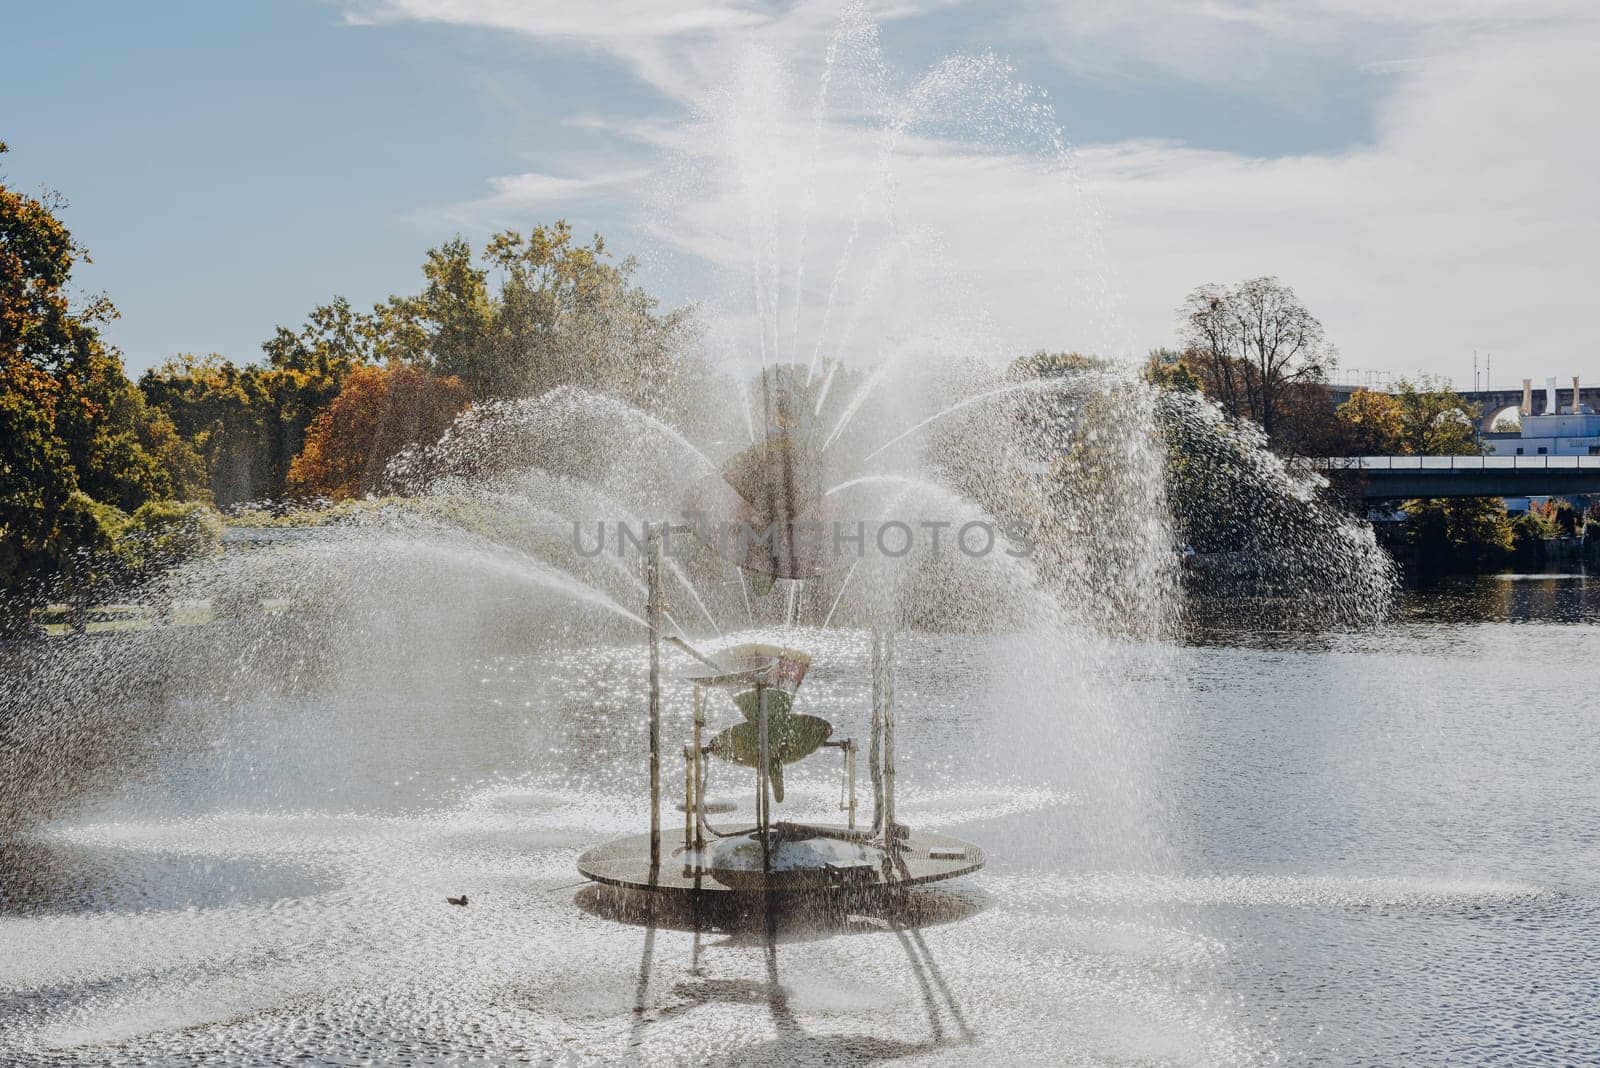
(1570, 430)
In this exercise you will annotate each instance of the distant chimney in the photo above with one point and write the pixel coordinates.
(1576, 407)
(1527, 396)
(1550, 395)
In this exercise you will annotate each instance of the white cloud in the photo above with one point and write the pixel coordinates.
(530, 188)
(1467, 220)
(1277, 47)
(598, 19)
(1468, 224)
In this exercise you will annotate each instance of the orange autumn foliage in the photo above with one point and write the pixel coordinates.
(378, 412)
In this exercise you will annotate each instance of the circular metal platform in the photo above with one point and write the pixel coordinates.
(725, 867)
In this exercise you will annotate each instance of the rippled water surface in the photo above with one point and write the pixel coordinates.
(1361, 848)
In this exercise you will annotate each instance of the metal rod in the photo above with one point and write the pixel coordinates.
(850, 779)
(875, 750)
(683, 643)
(653, 607)
(889, 826)
(689, 760)
(763, 815)
(699, 766)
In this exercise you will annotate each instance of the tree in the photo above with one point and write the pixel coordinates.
(162, 534)
(539, 311)
(248, 423)
(378, 412)
(77, 445)
(1375, 422)
(1253, 341)
(1562, 515)
(1459, 533)
(1423, 417)
(1166, 369)
(1434, 421)
(564, 314)
(1528, 533)
(1307, 424)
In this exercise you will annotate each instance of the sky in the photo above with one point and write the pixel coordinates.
(1423, 173)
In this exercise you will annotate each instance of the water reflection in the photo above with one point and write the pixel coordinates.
(1551, 597)
(1566, 598)
(1406, 815)
(52, 878)
(771, 925)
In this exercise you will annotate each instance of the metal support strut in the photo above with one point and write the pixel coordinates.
(653, 610)
(890, 827)
(880, 755)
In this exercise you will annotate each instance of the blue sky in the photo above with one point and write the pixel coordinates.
(1423, 179)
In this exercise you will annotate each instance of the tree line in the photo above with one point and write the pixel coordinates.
(103, 479)
(1260, 354)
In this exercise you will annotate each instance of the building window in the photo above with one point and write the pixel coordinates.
(1594, 450)
(1543, 450)
(1519, 452)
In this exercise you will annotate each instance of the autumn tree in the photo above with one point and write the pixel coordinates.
(78, 446)
(1252, 343)
(1168, 370)
(1421, 417)
(1375, 422)
(248, 423)
(1434, 420)
(378, 412)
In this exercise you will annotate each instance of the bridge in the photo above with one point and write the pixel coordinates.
(1400, 477)
(1493, 403)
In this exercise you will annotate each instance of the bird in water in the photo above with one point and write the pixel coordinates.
(462, 900)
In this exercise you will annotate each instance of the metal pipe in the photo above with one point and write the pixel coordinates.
(653, 607)
(850, 778)
(763, 815)
(699, 766)
(847, 769)
(683, 643)
(689, 760)
(875, 749)
(891, 830)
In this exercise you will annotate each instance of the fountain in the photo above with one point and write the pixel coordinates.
(775, 488)
(234, 840)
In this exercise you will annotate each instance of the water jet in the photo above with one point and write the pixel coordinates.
(777, 483)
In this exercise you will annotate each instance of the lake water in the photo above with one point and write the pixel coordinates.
(1359, 848)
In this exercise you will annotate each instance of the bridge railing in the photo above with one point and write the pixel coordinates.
(1455, 463)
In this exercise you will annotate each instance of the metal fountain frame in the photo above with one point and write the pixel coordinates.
(906, 859)
(697, 752)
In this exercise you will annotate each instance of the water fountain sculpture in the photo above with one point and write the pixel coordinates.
(767, 510)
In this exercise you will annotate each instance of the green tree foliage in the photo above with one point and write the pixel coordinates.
(1434, 421)
(1528, 533)
(1459, 533)
(78, 445)
(1166, 369)
(537, 311)
(1561, 513)
(247, 423)
(1421, 417)
(161, 534)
